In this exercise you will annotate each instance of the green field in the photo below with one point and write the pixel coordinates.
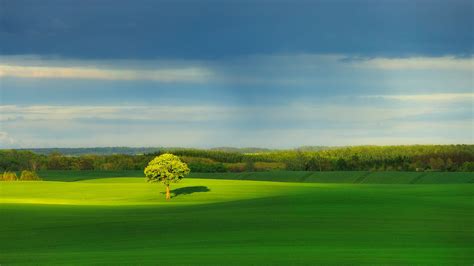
(365, 177)
(127, 221)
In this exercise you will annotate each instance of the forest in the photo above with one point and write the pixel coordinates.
(356, 158)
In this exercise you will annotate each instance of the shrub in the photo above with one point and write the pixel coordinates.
(468, 167)
(235, 167)
(9, 176)
(249, 166)
(264, 166)
(207, 167)
(188, 160)
(29, 176)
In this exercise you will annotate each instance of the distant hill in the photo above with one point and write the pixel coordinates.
(147, 150)
(97, 150)
(242, 150)
(315, 148)
(135, 150)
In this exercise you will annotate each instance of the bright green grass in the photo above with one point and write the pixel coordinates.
(75, 175)
(135, 191)
(126, 221)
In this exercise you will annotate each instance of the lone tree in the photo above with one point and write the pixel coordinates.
(166, 168)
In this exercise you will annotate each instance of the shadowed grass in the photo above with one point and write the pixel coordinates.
(189, 190)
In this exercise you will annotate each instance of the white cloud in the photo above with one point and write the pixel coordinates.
(161, 113)
(434, 97)
(284, 69)
(419, 63)
(183, 74)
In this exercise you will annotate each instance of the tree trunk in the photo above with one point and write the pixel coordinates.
(168, 194)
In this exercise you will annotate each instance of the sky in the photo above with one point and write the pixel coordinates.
(274, 74)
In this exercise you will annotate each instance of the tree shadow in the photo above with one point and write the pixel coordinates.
(189, 190)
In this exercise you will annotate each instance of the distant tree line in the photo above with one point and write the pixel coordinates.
(358, 158)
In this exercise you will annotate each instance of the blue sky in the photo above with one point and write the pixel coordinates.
(273, 74)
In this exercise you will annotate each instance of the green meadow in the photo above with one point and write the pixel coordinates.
(124, 220)
(366, 177)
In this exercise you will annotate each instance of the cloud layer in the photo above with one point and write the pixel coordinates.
(281, 100)
(365, 121)
(296, 66)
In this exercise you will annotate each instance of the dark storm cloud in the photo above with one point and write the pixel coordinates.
(216, 29)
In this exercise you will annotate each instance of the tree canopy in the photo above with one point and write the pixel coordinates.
(166, 168)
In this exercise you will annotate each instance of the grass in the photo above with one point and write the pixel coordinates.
(388, 177)
(393, 177)
(74, 175)
(233, 222)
